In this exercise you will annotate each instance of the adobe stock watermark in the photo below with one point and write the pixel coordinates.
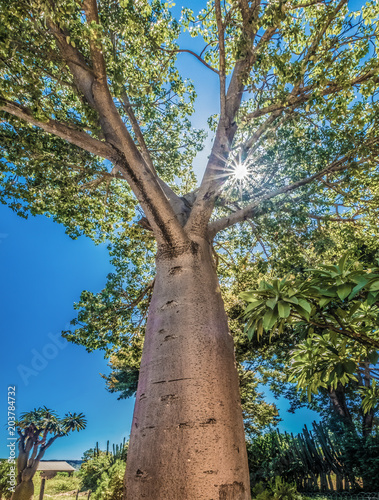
(41, 358)
(12, 438)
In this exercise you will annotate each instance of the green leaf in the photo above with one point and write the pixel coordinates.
(361, 283)
(305, 305)
(373, 357)
(371, 299)
(253, 305)
(349, 366)
(271, 302)
(324, 301)
(269, 319)
(342, 261)
(343, 291)
(284, 309)
(374, 286)
(328, 293)
(251, 331)
(292, 300)
(248, 296)
(260, 330)
(302, 312)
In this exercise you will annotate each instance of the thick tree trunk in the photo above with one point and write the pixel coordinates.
(25, 487)
(187, 439)
(24, 491)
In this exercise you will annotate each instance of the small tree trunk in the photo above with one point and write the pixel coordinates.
(187, 439)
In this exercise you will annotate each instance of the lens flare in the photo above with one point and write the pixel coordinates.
(240, 171)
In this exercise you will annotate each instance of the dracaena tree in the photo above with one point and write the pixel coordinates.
(38, 430)
(96, 133)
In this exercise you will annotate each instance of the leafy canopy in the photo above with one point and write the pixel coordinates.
(335, 308)
(95, 132)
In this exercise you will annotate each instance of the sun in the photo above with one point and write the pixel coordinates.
(240, 171)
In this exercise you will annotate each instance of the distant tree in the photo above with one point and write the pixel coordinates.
(38, 429)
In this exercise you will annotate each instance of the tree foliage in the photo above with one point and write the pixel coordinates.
(306, 125)
(336, 306)
(95, 132)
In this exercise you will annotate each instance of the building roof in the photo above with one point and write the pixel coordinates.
(55, 466)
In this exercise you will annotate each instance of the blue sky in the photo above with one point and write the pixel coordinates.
(43, 272)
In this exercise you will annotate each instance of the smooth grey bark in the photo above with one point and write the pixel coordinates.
(188, 413)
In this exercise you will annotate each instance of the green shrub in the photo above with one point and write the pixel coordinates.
(92, 469)
(5, 469)
(110, 485)
(265, 495)
(284, 491)
(277, 489)
(257, 489)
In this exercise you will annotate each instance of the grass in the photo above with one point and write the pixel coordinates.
(57, 486)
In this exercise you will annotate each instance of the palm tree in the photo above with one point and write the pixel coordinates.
(38, 429)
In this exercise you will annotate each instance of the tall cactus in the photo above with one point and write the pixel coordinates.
(310, 458)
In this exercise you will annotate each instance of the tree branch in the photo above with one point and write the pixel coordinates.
(222, 75)
(142, 180)
(306, 93)
(212, 180)
(253, 209)
(62, 130)
(199, 58)
(359, 337)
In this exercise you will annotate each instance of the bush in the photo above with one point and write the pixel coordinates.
(92, 469)
(5, 469)
(110, 485)
(284, 491)
(277, 489)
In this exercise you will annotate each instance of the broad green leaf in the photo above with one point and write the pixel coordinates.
(269, 319)
(302, 312)
(248, 296)
(371, 299)
(324, 301)
(343, 291)
(271, 303)
(374, 286)
(373, 357)
(361, 284)
(342, 262)
(292, 300)
(284, 309)
(253, 305)
(349, 366)
(305, 305)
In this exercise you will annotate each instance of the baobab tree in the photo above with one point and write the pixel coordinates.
(95, 130)
(38, 430)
